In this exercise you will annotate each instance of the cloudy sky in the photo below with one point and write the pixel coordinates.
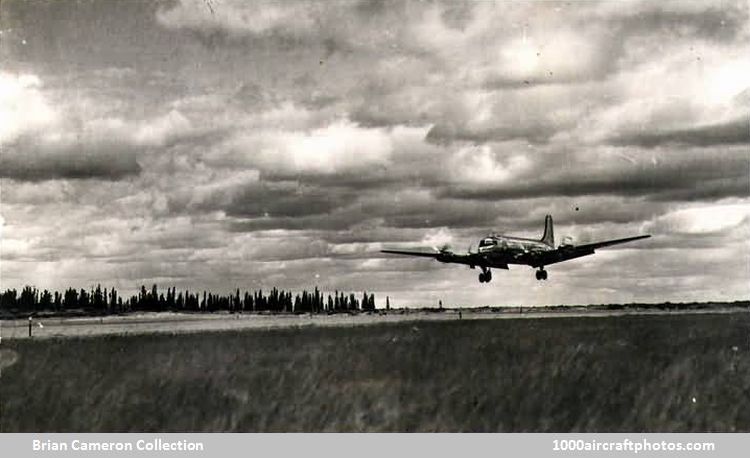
(221, 144)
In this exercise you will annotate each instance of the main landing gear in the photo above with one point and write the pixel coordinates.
(541, 274)
(485, 276)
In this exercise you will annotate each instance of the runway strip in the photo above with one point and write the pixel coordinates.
(148, 323)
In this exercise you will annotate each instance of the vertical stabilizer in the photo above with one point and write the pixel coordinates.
(549, 235)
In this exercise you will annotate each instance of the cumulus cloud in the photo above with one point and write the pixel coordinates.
(693, 176)
(704, 219)
(284, 144)
(41, 141)
(338, 147)
(238, 17)
(23, 106)
(284, 200)
(480, 164)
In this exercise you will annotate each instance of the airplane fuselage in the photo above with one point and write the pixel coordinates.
(502, 250)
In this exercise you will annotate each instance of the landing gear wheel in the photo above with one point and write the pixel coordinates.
(481, 278)
(541, 274)
(485, 277)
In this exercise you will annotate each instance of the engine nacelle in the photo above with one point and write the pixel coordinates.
(566, 242)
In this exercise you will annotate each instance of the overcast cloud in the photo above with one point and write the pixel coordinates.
(269, 143)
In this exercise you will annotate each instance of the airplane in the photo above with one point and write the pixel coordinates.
(498, 251)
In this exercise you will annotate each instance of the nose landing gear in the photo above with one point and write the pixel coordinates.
(541, 274)
(485, 276)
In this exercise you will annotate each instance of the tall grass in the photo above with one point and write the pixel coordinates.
(635, 373)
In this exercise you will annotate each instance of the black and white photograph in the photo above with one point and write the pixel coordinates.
(399, 216)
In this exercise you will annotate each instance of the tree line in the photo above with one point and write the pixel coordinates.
(105, 301)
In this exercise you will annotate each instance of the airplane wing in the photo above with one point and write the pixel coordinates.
(566, 253)
(596, 245)
(442, 256)
(413, 253)
(469, 259)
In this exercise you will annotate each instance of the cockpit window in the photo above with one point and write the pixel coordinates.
(487, 242)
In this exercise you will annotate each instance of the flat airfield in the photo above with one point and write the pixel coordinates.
(174, 323)
(612, 371)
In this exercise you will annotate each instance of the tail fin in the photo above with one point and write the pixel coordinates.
(549, 235)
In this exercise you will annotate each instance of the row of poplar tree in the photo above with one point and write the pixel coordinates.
(99, 300)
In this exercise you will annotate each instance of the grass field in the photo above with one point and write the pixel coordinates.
(632, 373)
